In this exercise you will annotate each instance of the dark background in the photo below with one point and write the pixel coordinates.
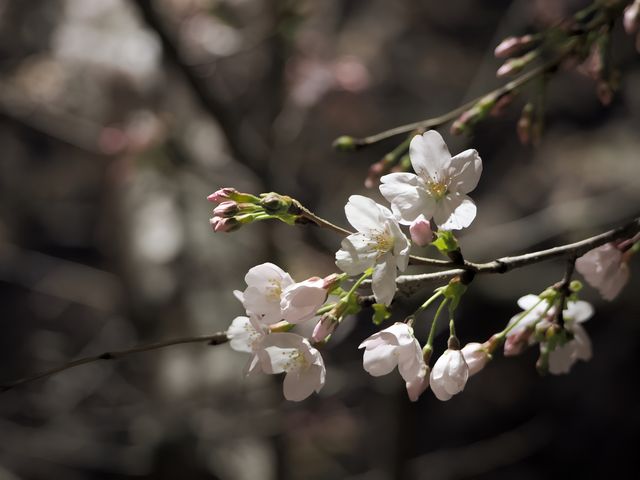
(118, 118)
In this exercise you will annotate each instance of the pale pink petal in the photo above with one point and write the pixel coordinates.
(454, 212)
(583, 349)
(298, 385)
(417, 385)
(561, 359)
(242, 335)
(429, 154)
(407, 195)
(410, 361)
(475, 356)
(300, 301)
(380, 360)
(384, 280)
(364, 214)
(578, 311)
(356, 255)
(464, 171)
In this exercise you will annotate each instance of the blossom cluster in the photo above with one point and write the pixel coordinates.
(286, 322)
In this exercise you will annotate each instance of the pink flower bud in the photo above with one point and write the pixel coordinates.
(511, 45)
(222, 194)
(506, 47)
(517, 342)
(220, 224)
(226, 209)
(631, 18)
(324, 328)
(506, 69)
(421, 233)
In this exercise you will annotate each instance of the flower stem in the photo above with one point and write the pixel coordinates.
(432, 332)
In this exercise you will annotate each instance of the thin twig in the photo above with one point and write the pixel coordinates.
(435, 122)
(321, 222)
(214, 339)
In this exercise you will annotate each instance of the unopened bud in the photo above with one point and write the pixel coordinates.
(220, 224)
(511, 45)
(324, 328)
(575, 286)
(226, 209)
(453, 343)
(501, 104)
(421, 232)
(274, 203)
(222, 194)
(345, 144)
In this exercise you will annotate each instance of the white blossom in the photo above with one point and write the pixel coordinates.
(578, 348)
(439, 187)
(294, 355)
(605, 270)
(379, 243)
(417, 385)
(476, 357)
(246, 335)
(262, 297)
(449, 375)
(300, 301)
(576, 311)
(391, 347)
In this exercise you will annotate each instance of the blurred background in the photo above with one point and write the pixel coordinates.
(118, 118)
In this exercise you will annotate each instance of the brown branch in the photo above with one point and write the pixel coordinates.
(411, 283)
(213, 339)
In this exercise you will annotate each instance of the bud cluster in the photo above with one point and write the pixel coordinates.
(236, 209)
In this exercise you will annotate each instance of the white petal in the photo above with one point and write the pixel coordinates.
(298, 385)
(475, 357)
(464, 171)
(562, 359)
(401, 246)
(380, 360)
(429, 155)
(364, 214)
(410, 361)
(242, 335)
(437, 387)
(454, 212)
(578, 311)
(279, 349)
(583, 350)
(301, 301)
(529, 301)
(417, 385)
(356, 255)
(265, 273)
(384, 280)
(408, 197)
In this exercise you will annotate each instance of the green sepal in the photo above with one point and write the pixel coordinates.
(445, 242)
(380, 313)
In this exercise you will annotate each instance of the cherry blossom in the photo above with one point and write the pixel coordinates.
(604, 269)
(379, 243)
(439, 187)
(417, 385)
(562, 358)
(262, 297)
(391, 347)
(300, 301)
(449, 375)
(476, 357)
(245, 334)
(576, 311)
(293, 355)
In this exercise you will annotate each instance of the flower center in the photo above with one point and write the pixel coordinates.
(274, 291)
(437, 189)
(296, 361)
(383, 242)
